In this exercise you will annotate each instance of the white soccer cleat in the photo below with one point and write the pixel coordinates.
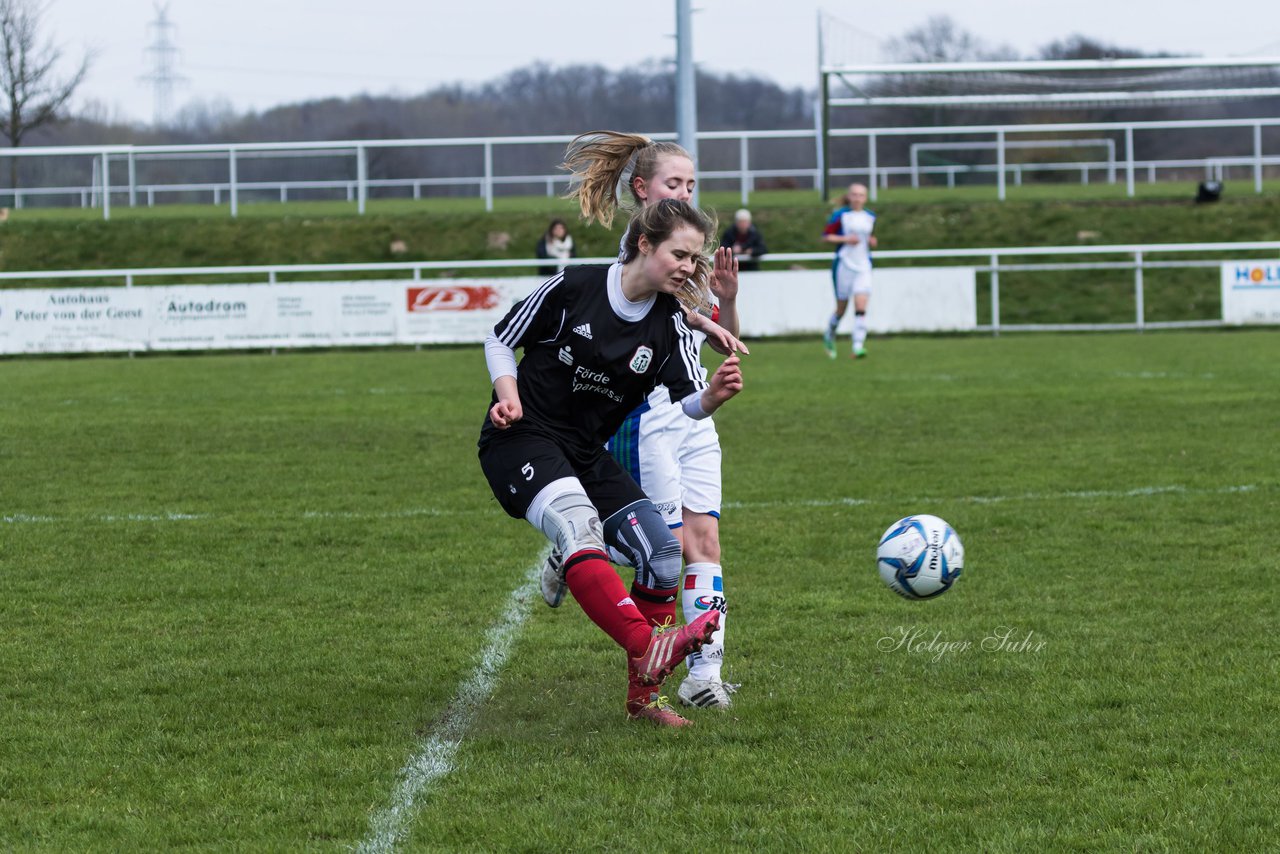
(553, 585)
(705, 693)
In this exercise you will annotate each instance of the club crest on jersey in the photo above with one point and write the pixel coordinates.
(641, 360)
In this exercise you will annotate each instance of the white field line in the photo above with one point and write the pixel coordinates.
(395, 514)
(434, 757)
(26, 518)
(1139, 492)
(418, 512)
(23, 518)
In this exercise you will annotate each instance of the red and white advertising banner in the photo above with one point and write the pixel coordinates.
(461, 310)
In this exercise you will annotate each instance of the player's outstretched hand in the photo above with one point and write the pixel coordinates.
(504, 413)
(724, 275)
(725, 383)
(720, 339)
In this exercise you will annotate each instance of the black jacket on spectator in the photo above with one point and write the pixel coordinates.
(751, 244)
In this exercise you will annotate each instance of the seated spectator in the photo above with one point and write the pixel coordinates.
(556, 243)
(745, 241)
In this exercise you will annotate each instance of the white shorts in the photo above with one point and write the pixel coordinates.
(675, 459)
(849, 281)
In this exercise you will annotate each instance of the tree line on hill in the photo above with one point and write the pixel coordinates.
(541, 99)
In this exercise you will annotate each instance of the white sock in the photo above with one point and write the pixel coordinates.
(859, 330)
(704, 590)
(832, 323)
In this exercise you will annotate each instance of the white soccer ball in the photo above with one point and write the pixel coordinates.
(920, 557)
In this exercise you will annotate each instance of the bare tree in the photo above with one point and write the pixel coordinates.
(34, 95)
(940, 39)
(1077, 46)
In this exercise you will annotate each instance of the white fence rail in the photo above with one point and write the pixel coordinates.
(219, 192)
(1001, 133)
(1136, 258)
(114, 171)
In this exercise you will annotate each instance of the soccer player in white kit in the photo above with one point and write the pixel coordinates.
(850, 228)
(674, 459)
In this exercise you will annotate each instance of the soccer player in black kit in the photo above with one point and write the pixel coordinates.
(596, 341)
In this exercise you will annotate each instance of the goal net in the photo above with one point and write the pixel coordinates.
(1052, 84)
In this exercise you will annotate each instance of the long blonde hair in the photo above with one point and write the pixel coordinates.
(657, 222)
(601, 162)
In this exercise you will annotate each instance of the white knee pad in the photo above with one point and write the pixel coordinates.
(569, 520)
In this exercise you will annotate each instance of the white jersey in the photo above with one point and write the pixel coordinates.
(855, 256)
(674, 459)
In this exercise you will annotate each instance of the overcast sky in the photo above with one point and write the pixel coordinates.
(254, 54)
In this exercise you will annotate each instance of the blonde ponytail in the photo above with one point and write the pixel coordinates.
(601, 162)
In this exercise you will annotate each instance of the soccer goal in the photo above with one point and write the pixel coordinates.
(1065, 97)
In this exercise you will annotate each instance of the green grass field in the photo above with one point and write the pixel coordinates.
(240, 596)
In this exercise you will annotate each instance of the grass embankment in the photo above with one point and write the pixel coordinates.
(459, 229)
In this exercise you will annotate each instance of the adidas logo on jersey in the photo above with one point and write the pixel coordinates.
(584, 330)
(565, 355)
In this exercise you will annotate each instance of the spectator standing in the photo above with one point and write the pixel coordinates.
(556, 243)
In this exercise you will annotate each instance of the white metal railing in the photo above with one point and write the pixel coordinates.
(103, 190)
(1109, 144)
(993, 261)
(1000, 134)
(550, 185)
(355, 150)
(1141, 261)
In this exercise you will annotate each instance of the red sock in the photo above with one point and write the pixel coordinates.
(658, 606)
(603, 596)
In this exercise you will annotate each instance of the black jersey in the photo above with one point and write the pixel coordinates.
(585, 367)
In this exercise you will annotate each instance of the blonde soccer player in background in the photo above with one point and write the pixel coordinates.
(850, 229)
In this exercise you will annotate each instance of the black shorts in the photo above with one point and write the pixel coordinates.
(519, 463)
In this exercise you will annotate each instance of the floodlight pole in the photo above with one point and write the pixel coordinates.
(824, 136)
(822, 118)
(686, 84)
